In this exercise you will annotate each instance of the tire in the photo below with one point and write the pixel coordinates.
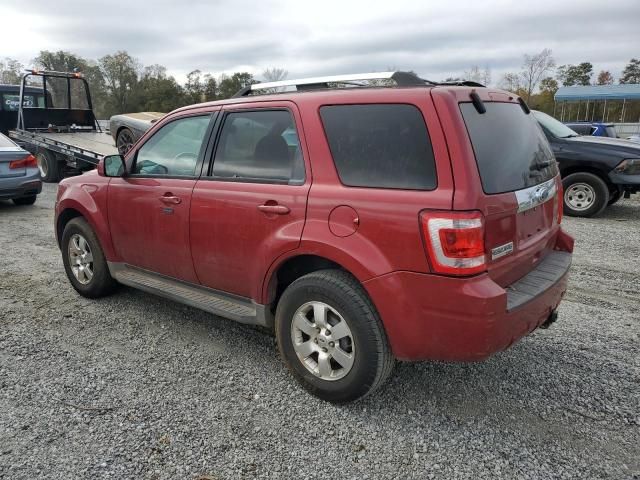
(124, 140)
(30, 200)
(345, 300)
(100, 283)
(585, 194)
(615, 196)
(49, 166)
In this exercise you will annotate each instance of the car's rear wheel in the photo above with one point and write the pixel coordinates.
(124, 141)
(48, 166)
(585, 194)
(84, 260)
(30, 200)
(331, 337)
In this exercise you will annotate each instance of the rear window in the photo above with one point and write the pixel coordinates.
(381, 146)
(6, 143)
(511, 150)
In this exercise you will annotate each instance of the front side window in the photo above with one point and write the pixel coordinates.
(173, 150)
(380, 146)
(259, 146)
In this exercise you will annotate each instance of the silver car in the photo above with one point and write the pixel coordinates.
(127, 128)
(19, 174)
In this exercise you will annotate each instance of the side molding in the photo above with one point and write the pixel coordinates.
(239, 309)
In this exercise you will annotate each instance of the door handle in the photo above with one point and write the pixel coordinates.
(274, 208)
(170, 199)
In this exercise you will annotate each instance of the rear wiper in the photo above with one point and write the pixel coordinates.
(541, 165)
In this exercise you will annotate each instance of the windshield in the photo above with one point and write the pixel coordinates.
(553, 126)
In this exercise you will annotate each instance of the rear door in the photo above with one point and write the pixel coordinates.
(520, 184)
(250, 208)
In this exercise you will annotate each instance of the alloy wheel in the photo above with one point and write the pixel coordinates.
(80, 259)
(323, 341)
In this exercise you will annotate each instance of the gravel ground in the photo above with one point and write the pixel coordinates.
(133, 386)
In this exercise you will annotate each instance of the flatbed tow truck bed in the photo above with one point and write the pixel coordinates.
(86, 146)
(61, 129)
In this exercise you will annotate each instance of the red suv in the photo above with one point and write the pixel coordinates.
(363, 223)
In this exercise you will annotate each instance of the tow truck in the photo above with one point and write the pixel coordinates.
(62, 130)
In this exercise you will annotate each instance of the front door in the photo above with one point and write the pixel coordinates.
(251, 206)
(149, 208)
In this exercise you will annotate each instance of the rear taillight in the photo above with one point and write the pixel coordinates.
(454, 241)
(27, 162)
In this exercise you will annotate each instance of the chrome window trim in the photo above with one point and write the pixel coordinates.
(531, 197)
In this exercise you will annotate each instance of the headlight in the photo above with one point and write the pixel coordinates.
(630, 166)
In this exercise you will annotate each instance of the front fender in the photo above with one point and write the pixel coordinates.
(89, 199)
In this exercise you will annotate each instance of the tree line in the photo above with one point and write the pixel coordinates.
(120, 84)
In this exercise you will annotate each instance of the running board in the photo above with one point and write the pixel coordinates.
(233, 307)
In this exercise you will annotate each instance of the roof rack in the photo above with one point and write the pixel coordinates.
(402, 79)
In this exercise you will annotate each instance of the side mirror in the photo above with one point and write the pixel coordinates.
(113, 166)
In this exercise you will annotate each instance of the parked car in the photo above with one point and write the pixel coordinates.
(19, 175)
(595, 129)
(596, 171)
(410, 223)
(127, 128)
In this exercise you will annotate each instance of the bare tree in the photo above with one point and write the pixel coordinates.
(534, 68)
(511, 82)
(475, 74)
(274, 74)
(604, 78)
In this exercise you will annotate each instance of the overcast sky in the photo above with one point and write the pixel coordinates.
(437, 39)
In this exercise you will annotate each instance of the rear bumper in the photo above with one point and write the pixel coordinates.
(465, 319)
(24, 186)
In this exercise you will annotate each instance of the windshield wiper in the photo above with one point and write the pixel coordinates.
(570, 135)
(541, 165)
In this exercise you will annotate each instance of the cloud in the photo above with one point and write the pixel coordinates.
(435, 39)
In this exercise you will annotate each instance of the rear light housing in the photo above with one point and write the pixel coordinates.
(27, 162)
(454, 241)
(560, 201)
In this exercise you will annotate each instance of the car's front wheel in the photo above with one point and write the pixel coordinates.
(331, 337)
(124, 141)
(84, 260)
(585, 194)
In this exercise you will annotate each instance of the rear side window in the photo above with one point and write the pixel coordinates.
(261, 146)
(511, 151)
(381, 146)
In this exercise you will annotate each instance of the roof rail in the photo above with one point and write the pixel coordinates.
(402, 79)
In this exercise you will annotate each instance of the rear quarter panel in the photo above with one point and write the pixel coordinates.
(387, 236)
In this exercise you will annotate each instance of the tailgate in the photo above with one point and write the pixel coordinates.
(520, 185)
